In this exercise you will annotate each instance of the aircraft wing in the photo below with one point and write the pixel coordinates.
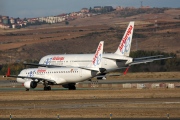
(42, 65)
(33, 78)
(91, 69)
(140, 61)
(148, 57)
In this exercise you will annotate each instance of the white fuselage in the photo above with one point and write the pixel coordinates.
(57, 75)
(109, 61)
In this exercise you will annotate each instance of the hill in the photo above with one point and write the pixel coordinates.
(158, 31)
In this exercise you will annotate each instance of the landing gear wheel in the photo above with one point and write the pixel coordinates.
(48, 88)
(72, 87)
(27, 89)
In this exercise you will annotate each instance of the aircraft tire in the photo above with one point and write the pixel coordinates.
(72, 87)
(48, 88)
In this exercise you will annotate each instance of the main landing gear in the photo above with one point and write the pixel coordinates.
(72, 87)
(46, 87)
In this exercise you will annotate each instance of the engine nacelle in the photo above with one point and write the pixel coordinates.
(30, 84)
(101, 78)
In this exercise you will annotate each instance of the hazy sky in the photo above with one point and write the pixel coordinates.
(38, 8)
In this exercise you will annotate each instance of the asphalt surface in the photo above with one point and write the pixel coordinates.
(85, 104)
(91, 119)
(108, 81)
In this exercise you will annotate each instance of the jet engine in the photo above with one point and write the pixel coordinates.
(30, 84)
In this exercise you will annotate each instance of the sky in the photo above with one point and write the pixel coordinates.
(41, 8)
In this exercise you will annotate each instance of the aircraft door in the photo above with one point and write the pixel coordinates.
(105, 62)
(80, 72)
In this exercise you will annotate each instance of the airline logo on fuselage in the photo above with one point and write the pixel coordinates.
(97, 57)
(126, 40)
(31, 73)
(58, 58)
(41, 70)
(55, 58)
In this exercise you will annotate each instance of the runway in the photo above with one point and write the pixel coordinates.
(112, 81)
(92, 119)
(89, 103)
(12, 85)
(94, 104)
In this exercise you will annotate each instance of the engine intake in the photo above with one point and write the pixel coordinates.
(30, 84)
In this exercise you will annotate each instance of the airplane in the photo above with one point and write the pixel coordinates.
(65, 76)
(110, 61)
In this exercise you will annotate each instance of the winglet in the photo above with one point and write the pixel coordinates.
(126, 71)
(96, 61)
(125, 44)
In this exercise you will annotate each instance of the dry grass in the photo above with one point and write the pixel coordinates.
(90, 98)
(38, 41)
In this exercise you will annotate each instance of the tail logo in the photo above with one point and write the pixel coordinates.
(97, 57)
(126, 40)
(126, 46)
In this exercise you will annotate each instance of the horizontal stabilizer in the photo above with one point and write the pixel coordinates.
(148, 57)
(147, 60)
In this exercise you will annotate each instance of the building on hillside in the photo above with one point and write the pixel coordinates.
(145, 7)
(97, 7)
(14, 26)
(85, 10)
(118, 8)
(0, 19)
(5, 20)
(130, 8)
(108, 8)
(32, 20)
(12, 20)
(5, 17)
(4, 26)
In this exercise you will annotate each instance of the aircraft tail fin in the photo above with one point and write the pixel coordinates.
(125, 44)
(126, 71)
(8, 73)
(96, 61)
